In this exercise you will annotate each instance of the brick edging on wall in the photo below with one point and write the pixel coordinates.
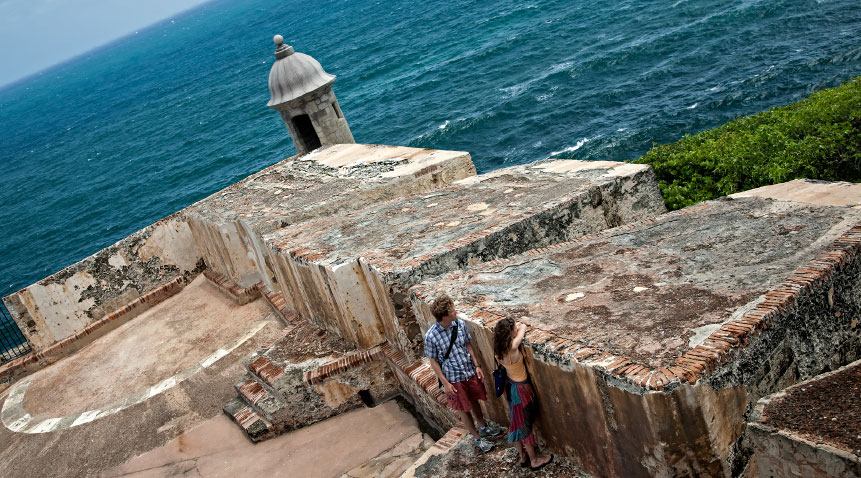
(419, 371)
(717, 349)
(241, 295)
(279, 305)
(51, 354)
(347, 362)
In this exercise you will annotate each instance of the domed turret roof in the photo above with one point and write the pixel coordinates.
(293, 75)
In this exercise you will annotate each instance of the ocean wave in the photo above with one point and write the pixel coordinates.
(450, 128)
(518, 89)
(571, 149)
(508, 13)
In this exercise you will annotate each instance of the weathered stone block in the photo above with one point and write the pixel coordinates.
(350, 272)
(810, 429)
(227, 226)
(648, 342)
(65, 303)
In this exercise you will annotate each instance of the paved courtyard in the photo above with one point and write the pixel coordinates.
(145, 400)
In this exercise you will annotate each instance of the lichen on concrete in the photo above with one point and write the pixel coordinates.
(612, 311)
(812, 428)
(228, 225)
(400, 242)
(641, 292)
(66, 302)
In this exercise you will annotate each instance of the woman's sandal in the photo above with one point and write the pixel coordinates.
(536, 468)
(524, 464)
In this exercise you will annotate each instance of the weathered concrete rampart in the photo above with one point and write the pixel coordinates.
(222, 232)
(98, 328)
(349, 273)
(228, 226)
(64, 304)
(636, 379)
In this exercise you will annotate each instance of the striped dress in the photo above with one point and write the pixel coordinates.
(522, 405)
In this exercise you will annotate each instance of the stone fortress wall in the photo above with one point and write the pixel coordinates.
(651, 335)
(650, 343)
(219, 233)
(67, 302)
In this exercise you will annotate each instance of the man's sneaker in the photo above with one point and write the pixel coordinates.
(483, 444)
(489, 431)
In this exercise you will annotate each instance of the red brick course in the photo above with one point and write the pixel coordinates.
(279, 305)
(266, 370)
(240, 295)
(347, 362)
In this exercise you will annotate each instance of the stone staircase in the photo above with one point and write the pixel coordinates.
(306, 374)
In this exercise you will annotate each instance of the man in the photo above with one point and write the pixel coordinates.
(459, 372)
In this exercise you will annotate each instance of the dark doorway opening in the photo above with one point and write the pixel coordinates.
(305, 130)
(366, 398)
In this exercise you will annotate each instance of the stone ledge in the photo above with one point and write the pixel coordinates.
(256, 428)
(702, 359)
(240, 295)
(442, 446)
(265, 369)
(787, 441)
(279, 306)
(419, 372)
(320, 374)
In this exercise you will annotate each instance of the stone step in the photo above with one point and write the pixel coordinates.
(278, 304)
(256, 428)
(263, 369)
(341, 365)
(261, 400)
(441, 447)
(241, 295)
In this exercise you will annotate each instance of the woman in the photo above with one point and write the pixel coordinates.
(518, 392)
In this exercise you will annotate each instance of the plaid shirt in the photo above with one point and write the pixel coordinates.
(458, 366)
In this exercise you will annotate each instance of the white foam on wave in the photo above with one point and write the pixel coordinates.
(444, 125)
(518, 89)
(571, 149)
(692, 106)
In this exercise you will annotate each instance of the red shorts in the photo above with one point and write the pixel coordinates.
(468, 391)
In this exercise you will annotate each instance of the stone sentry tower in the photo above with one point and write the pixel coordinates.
(302, 92)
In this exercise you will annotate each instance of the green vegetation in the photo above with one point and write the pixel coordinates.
(816, 138)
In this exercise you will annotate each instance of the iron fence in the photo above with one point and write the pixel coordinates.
(13, 344)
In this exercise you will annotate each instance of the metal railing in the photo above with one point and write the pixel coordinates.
(13, 344)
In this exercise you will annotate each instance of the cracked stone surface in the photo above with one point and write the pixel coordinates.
(644, 291)
(325, 181)
(350, 272)
(464, 460)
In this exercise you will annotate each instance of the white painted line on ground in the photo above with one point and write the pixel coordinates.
(46, 426)
(213, 358)
(20, 423)
(162, 386)
(85, 417)
(16, 419)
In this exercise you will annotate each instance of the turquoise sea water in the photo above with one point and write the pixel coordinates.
(110, 142)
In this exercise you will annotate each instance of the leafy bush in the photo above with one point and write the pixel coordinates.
(816, 138)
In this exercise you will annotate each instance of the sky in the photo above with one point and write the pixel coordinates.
(37, 34)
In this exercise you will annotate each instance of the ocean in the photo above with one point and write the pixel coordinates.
(105, 144)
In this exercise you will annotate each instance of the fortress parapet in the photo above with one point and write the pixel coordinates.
(648, 343)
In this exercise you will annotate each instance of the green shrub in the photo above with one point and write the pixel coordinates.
(816, 138)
